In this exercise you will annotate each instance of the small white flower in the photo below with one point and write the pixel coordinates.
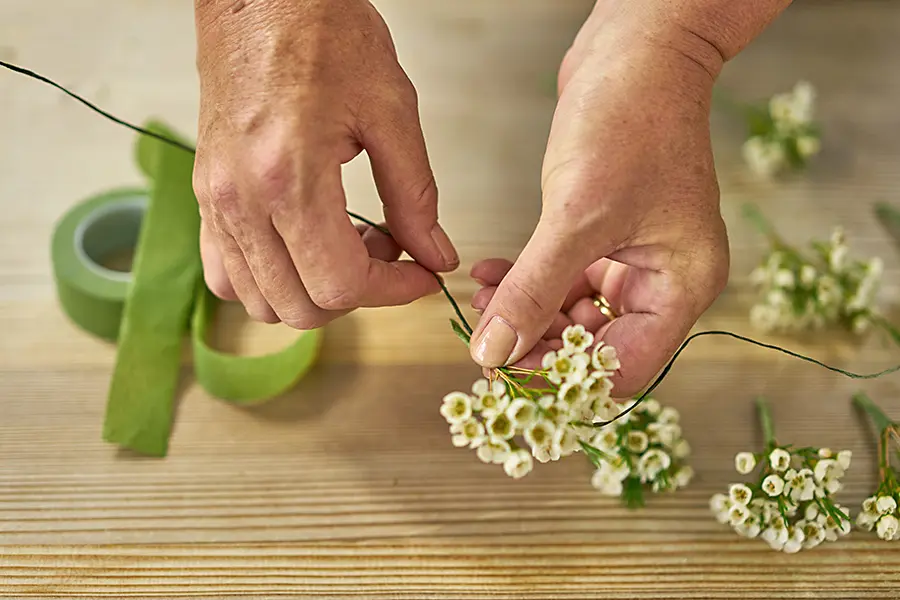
(740, 494)
(861, 324)
(457, 407)
(576, 338)
(802, 485)
(738, 514)
(759, 276)
(795, 540)
(764, 317)
(764, 158)
(813, 533)
(467, 433)
(807, 275)
(885, 505)
(828, 469)
(808, 146)
(887, 527)
(649, 406)
(605, 483)
(668, 435)
(565, 441)
(681, 449)
(605, 358)
(773, 485)
(564, 366)
(838, 258)
(606, 439)
(779, 460)
(493, 451)
(744, 462)
(668, 416)
(683, 476)
(540, 434)
(870, 506)
(651, 463)
(636, 441)
(825, 453)
(571, 394)
(518, 464)
(719, 502)
(605, 409)
(598, 386)
(500, 427)
(749, 528)
(490, 397)
(865, 521)
(784, 278)
(522, 412)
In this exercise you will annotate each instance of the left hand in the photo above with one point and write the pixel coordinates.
(630, 206)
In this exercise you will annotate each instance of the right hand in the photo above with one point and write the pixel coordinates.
(290, 90)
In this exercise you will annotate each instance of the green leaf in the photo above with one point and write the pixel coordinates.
(460, 332)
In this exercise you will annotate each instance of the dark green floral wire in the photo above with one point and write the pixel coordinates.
(187, 148)
(663, 374)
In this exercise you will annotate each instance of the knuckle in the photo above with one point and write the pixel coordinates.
(271, 176)
(304, 322)
(336, 296)
(220, 191)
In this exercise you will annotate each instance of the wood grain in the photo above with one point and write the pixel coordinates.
(348, 487)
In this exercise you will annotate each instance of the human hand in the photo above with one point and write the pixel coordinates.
(290, 91)
(630, 207)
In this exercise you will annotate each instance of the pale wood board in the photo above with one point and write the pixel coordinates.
(348, 486)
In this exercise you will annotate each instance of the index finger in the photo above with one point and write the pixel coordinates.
(332, 260)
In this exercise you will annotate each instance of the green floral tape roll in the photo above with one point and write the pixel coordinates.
(85, 239)
(149, 310)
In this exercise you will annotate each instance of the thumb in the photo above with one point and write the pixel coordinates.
(405, 182)
(528, 299)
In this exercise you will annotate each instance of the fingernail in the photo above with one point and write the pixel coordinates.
(496, 344)
(445, 246)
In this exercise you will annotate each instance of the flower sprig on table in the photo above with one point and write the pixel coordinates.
(816, 289)
(545, 415)
(880, 510)
(782, 132)
(790, 504)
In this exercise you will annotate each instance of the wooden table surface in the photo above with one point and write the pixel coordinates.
(348, 486)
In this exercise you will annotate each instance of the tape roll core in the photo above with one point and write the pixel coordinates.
(93, 295)
(110, 229)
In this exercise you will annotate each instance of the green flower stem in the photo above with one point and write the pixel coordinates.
(465, 328)
(755, 216)
(886, 429)
(882, 421)
(765, 420)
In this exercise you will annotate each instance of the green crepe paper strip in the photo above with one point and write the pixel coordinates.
(247, 379)
(164, 281)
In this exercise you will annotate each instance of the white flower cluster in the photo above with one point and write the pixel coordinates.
(644, 448)
(881, 514)
(784, 134)
(511, 424)
(828, 288)
(791, 505)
